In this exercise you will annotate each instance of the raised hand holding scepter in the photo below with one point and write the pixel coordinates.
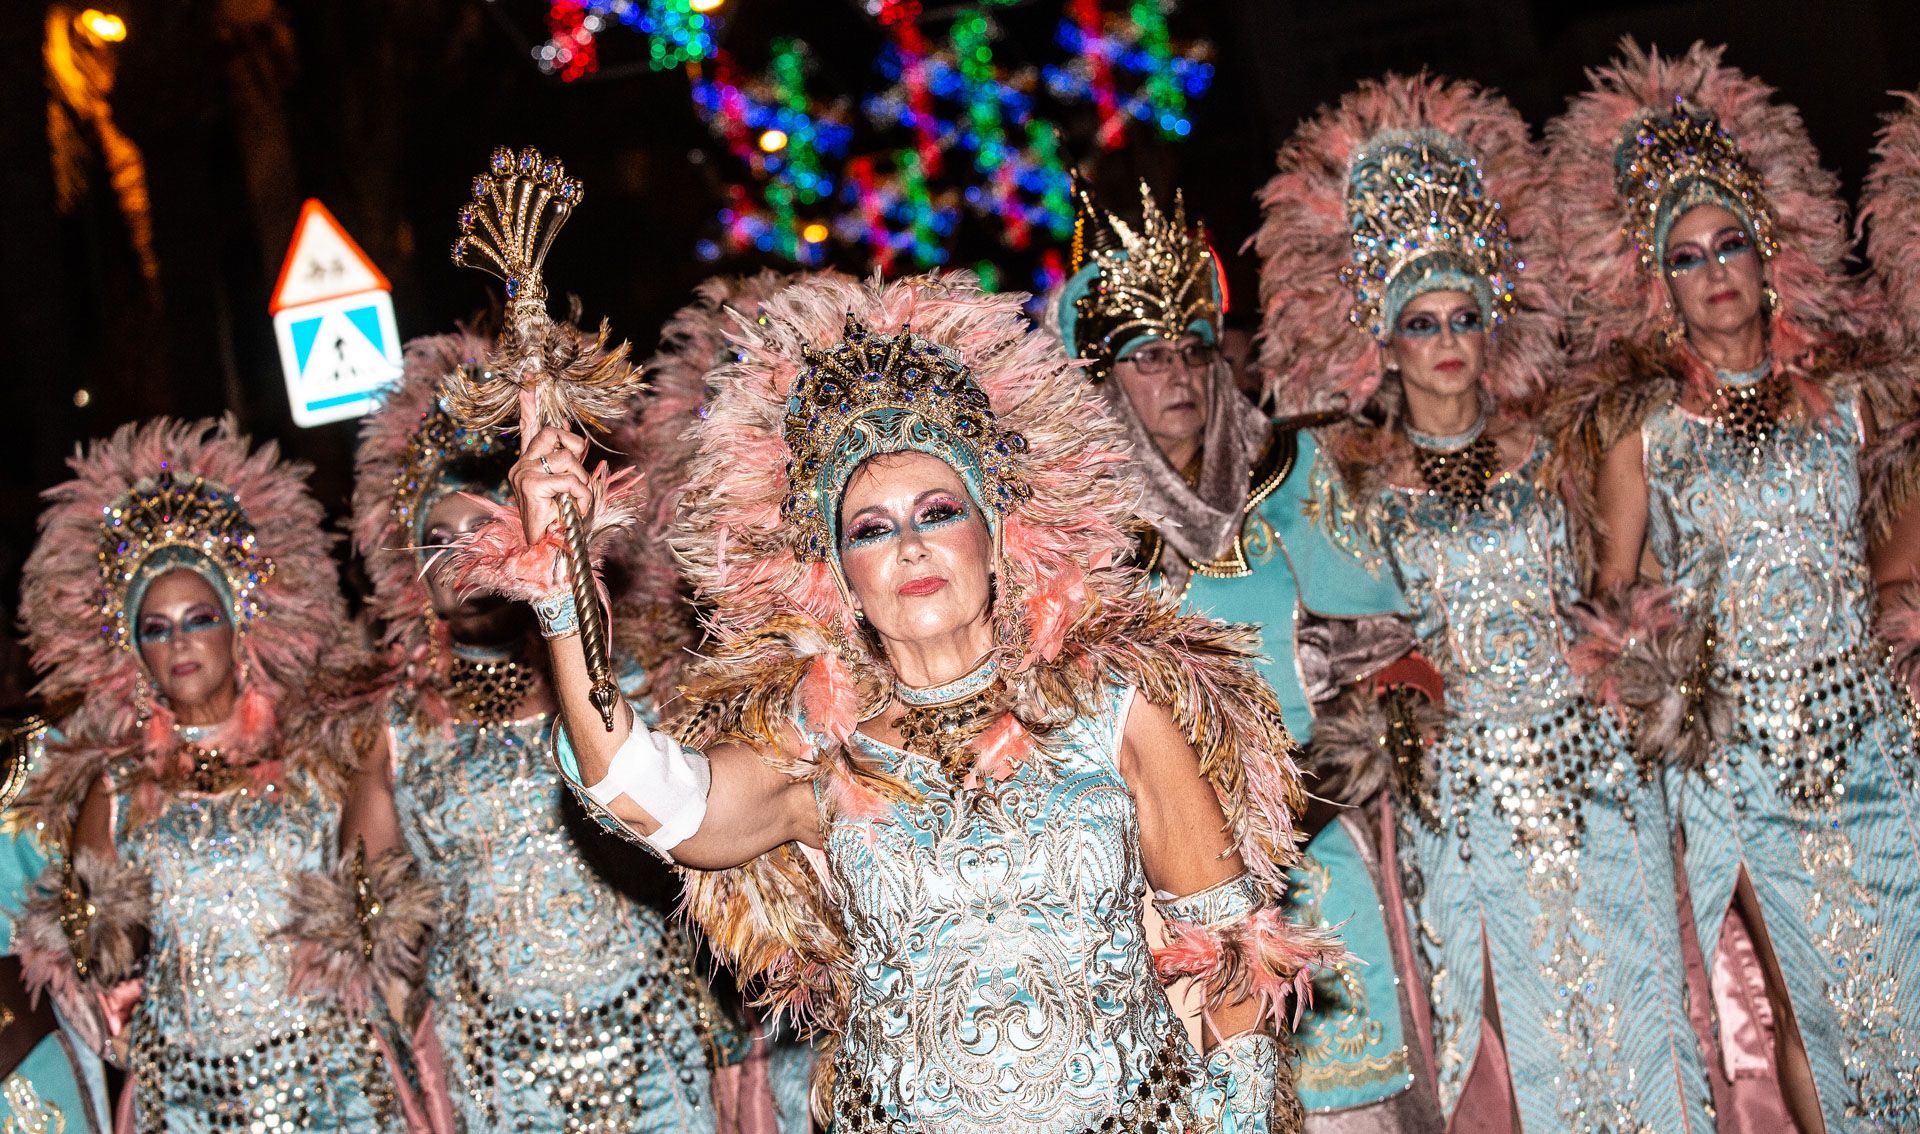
(558, 379)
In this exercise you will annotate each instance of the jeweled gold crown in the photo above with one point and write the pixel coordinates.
(872, 394)
(196, 517)
(1155, 281)
(1422, 220)
(1663, 154)
(438, 440)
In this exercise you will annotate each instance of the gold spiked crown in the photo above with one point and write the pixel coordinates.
(1671, 159)
(872, 394)
(1422, 220)
(1154, 281)
(190, 522)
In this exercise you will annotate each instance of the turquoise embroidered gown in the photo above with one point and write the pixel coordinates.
(1814, 795)
(1538, 840)
(218, 1043)
(60, 1085)
(561, 1004)
(1353, 1043)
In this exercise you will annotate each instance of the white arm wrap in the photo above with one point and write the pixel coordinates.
(669, 781)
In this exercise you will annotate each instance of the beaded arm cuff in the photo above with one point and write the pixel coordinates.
(655, 771)
(1240, 947)
(1214, 906)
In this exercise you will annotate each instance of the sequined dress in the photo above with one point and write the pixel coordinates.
(1537, 831)
(560, 1003)
(217, 1041)
(1814, 794)
(1005, 981)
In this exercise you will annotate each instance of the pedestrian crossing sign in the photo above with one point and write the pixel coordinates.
(333, 320)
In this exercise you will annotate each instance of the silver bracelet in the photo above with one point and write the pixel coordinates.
(557, 614)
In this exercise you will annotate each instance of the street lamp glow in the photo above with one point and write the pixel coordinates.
(104, 26)
(773, 141)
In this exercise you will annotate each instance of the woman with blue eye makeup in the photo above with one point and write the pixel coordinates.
(947, 747)
(1403, 277)
(183, 592)
(1726, 449)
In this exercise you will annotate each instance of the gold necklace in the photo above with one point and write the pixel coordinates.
(1749, 412)
(489, 692)
(1461, 474)
(942, 723)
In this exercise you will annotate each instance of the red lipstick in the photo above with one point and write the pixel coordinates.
(923, 586)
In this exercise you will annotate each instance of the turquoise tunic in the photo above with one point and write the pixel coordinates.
(1540, 853)
(1007, 982)
(1814, 795)
(1353, 1042)
(561, 1004)
(60, 1085)
(217, 1042)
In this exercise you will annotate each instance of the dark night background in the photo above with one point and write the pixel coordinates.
(385, 108)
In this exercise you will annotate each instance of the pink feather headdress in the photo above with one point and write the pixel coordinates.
(1609, 295)
(1890, 211)
(268, 542)
(746, 559)
(403, 447)
(1313, 352)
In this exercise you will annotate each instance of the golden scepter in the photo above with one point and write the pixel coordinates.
(548, 370)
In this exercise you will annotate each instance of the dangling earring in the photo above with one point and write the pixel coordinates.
(143, 699)
(1672, 330)
(1769, 300)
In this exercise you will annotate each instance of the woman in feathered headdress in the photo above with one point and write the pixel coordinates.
(1720, 441)
(559, 997)
(946, 742)
(183, 589)
(1401, 280)
(1233, 538)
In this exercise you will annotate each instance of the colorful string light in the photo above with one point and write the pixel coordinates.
(678, 32)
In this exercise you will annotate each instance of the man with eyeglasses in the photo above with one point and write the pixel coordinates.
(1227, 491)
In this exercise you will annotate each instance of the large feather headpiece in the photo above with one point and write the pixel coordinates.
(1657, 134)
(1408, 185)
(163, 494)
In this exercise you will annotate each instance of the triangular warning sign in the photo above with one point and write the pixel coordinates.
(323, 262)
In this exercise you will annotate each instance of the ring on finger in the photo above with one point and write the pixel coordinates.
(544, 466)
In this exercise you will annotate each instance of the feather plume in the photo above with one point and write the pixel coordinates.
(1361, 737)
(1890, 214)
(497, 559)
(113, 939)
(580, 381)
(1900, 629)
(360, 927)
(1262, 956)
(1637, 654)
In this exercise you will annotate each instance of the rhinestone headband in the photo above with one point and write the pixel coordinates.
(871, 394)
(1155, 281)
(194, 519)
(1422, 220)
(1684, 155)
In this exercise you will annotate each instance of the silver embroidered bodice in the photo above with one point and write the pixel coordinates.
(1003, 979)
